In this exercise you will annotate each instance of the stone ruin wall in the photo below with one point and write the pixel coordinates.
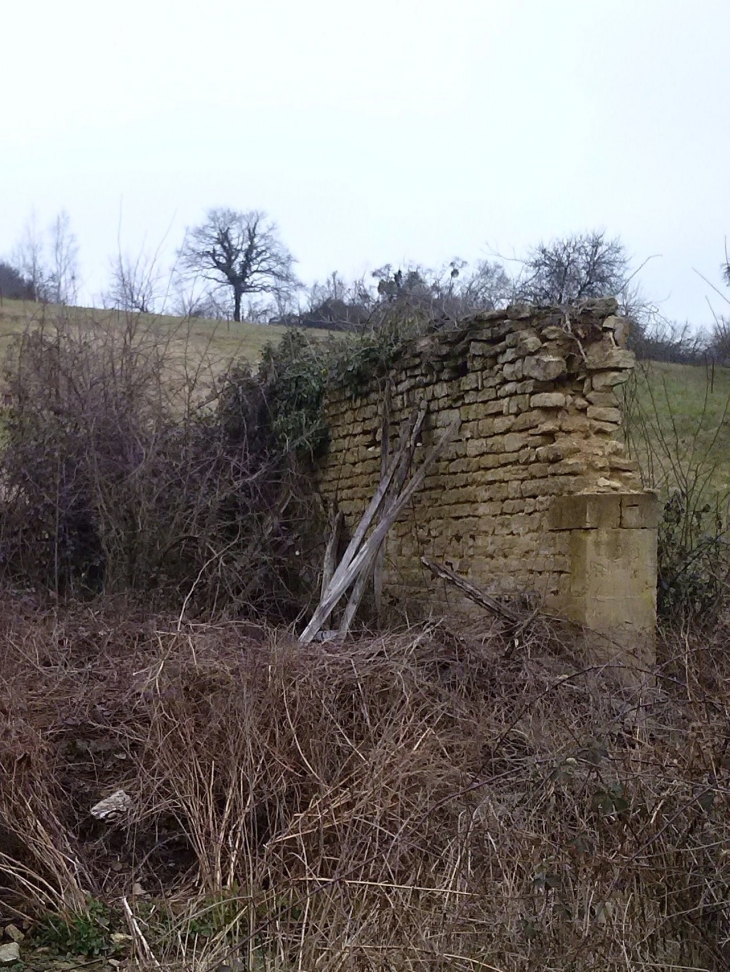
(535, 494)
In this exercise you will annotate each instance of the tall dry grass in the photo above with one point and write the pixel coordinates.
(439, 798)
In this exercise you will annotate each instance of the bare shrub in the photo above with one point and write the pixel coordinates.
(421, 800)
(132, 464)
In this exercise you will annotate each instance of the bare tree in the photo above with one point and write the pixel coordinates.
(135, 284)
(573, 268)
(51, 270)
(487, 287)
(28, 258)
(62, 276)
(241, 252)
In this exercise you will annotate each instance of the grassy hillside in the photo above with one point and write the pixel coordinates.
(224, 339)
(678, 425)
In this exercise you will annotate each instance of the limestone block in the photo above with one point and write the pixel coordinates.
(517, 404)
(542, 487)
(480, 349)
(477, 447)
(513, 372)
(574, 466)
(529, 420)
(606, 357)
(515, 506)
(488, 461)
(603, 428)
(506, 357)
(603, 399)
(620, 327)
(528, 342)
(604, 414)
(503, 423)
(575, 423)
(445, 416)
(640, 511)
(472, 381)
(554, 333)
(611, 589)
(548, 428)
(472, 413)
(623, 463)
(485, 511)
(548, 400)
(544, 367)
(560, 449)
(585, 511)
(608, 379)
(522, 523)
(513, 442)
(463, 466)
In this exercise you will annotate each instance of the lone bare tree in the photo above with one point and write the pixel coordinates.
(28, 258)
(63, 275)
(240, 251)
(573, 268)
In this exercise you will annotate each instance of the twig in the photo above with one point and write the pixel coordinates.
(137, 933)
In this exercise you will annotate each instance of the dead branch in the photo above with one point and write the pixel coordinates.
(473, 593)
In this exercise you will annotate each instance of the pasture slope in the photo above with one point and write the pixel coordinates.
(225, 339)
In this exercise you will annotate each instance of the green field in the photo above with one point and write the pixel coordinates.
(677, 423)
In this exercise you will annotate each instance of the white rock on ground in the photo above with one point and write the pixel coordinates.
(9, 953)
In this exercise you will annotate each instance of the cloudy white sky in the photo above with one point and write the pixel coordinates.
(376, 131)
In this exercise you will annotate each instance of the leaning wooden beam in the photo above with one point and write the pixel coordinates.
(384, 459)
(358, 590)
(330, 554)
(479, 597)
(413, 429)
(347, 573)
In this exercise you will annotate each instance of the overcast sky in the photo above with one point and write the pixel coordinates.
(376, 131)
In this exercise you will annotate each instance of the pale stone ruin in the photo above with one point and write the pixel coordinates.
(535, 494)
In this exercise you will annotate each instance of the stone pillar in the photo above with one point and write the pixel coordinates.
(610, 589)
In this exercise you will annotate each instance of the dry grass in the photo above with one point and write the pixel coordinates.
(223, 339)
(421, 800)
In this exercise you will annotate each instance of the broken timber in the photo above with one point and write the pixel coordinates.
(391, 496)
(473, 593)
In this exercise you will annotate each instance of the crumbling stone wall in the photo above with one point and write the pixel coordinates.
(506, 506)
